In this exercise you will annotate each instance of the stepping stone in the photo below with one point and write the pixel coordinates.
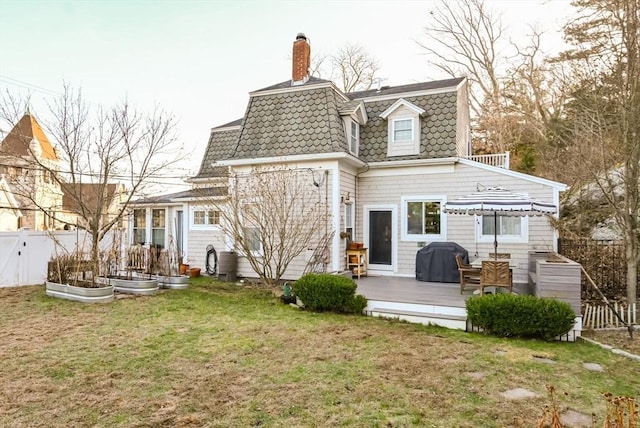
(477, 375)
(572, 419)
(518, 394)
(593, 367)
(543, 360)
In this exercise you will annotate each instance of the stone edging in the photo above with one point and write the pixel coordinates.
(612, 349)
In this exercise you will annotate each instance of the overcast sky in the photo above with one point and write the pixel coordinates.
(200, 59)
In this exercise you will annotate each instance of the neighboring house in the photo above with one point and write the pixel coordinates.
(10, 214)
(86, 200)
(391, 158)
(36, 193)
(31, 198)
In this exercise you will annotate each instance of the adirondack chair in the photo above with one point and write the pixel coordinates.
(469, 276)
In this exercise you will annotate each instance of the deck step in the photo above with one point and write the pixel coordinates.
(419, 314)
(444, 320)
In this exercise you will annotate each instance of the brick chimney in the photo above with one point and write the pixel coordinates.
(301, 60)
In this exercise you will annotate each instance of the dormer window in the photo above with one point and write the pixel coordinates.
(403, 119)
(402, 130)
(354, 137)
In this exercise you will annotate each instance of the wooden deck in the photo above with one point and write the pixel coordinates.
(415, 301)
(409, 290)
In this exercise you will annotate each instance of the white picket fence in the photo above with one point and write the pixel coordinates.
(24, 254)
(601, 316)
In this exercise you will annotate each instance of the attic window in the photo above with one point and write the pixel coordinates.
(353, 137)
(402, 130)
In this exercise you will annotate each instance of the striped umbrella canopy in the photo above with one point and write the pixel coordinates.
(498, 201)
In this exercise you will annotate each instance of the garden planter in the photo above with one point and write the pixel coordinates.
(138, 286)
(173, 282)
(79, 294)
(194, 272)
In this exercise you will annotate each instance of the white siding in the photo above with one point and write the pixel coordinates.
(378, 188)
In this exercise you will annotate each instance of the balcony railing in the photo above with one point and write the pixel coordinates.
(500, 160)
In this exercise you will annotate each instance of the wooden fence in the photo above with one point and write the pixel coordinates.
(601, 316)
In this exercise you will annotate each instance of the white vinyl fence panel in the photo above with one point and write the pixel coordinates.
(24, 254)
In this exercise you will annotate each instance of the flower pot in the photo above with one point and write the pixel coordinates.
(183, 269)
(194, 272)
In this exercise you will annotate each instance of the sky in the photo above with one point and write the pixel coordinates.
(199, 59)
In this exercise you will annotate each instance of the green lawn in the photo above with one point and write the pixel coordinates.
(223, 355)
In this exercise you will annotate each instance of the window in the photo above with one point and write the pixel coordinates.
(157, 227)
(510, 229)
(402, 130)
(423, 218)
(251, 222)
(353, 137)
(139, 226)
(206, 218)
(348, 220)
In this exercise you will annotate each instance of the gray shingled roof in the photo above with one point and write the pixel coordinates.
(221, 146)
(414, 87)
(307, 120)
(191, 193)
(303, 121)
(438, 128)
(287, 84)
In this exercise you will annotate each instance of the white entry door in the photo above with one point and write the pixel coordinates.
(380, 236)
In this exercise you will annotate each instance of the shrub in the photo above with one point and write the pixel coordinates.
(511, 315)
(326, 292)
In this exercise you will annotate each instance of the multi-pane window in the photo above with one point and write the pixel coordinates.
(139, 226)
(402, 130)
(157, 227)
(507, 226)
(353, 140)
(206, 217)
(423, 218)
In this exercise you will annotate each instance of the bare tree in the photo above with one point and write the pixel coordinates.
(274, 215)
(605, 108)
(98, 149)
(464, 39)
(351, 67)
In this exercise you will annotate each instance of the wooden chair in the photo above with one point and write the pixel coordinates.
(495, 274)
(499, 255)
(469, 276)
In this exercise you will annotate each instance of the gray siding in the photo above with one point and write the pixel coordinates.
(458, 181)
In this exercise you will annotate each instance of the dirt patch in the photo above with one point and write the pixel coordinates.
(617, 338)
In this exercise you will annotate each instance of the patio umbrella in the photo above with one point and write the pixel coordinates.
(498, 201)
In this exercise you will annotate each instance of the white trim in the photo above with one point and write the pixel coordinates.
(510, 173)
(226, 128)
(523, 238)
(293, 159)
(335, 198)
(442, 236)
(411, 162)
(410, 94)
(394, 234)
(402, 103)
(260, 93)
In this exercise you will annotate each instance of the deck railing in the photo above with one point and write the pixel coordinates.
(500, 160)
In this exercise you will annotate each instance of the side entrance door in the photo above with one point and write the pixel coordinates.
(380, 236)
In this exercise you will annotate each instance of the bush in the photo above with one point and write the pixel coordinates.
(511, 315)
(326, 292)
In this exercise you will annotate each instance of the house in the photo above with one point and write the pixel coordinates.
(31, 197)
(26, 159)
(390, 158)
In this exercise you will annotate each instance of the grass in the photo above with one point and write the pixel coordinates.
(219, 355)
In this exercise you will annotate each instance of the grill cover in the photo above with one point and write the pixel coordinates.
(437, 262)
